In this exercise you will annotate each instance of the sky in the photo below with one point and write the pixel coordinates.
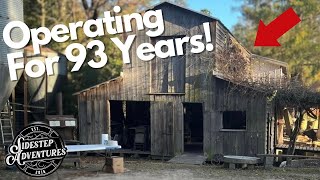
(221, 9)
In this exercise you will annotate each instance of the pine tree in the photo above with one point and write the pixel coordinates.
(300, 46)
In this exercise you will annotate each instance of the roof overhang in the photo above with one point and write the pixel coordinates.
(272, 61)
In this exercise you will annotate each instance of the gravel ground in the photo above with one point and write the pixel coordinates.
(150, 169)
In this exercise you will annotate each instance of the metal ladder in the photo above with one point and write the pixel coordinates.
(6, 125)
(6, 131)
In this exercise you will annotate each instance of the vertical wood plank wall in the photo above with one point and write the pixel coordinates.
(244, 142)
(166, 110)
(162, 117)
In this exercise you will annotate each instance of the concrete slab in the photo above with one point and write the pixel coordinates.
(241, 159)
(243, 162)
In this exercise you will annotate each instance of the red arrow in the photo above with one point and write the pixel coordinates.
(268, 35)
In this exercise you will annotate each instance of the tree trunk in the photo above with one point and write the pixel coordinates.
(318, 119)
(294, 134)
(43, 13)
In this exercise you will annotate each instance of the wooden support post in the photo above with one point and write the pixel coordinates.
(268, 162)
(318, 117)
(13, 96)
(108, 117)
(25, 95)
(46, 96)
(59, 103)
(280, 131)
(280, 77)
(275, 125)
(272, 136)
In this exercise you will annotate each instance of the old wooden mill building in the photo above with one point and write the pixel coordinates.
(182, 104)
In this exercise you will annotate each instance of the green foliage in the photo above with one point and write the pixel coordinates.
(206, 11)
(300, 46)
(178, 2)
(51, 12)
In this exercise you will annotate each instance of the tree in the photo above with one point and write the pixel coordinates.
(235, 65)
(51, 12)
(299, 47)
(206, 11)
(182, 3)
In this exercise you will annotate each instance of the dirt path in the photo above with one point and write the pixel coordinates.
(146, 169)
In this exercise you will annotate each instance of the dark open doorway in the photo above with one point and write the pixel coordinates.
(193, 127)
(130, 124)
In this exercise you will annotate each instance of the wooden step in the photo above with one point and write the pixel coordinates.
(7, 134)
(6, 131)
(8, 137)
(6, 127)
(6, 123)
(7, 142)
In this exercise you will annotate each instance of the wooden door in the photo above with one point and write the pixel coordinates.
(161, 114)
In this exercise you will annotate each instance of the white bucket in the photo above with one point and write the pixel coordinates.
(104, 139)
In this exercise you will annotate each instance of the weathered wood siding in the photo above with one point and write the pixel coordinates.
(238, 142)
(183, 74)
(141, 81)
(221, 37)
(94, 110)
(162, 128)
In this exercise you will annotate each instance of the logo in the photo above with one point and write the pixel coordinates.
(37, 151)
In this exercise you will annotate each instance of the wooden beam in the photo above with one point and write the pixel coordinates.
(318, 117)
(108, 117)
(59, 103)
(280, 131)
(25, 95)
(287, 156)
(46, 95)
(13, 95)
(173, 94)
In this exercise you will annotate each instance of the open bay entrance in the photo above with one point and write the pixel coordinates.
(193, 128)
(130, 125)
